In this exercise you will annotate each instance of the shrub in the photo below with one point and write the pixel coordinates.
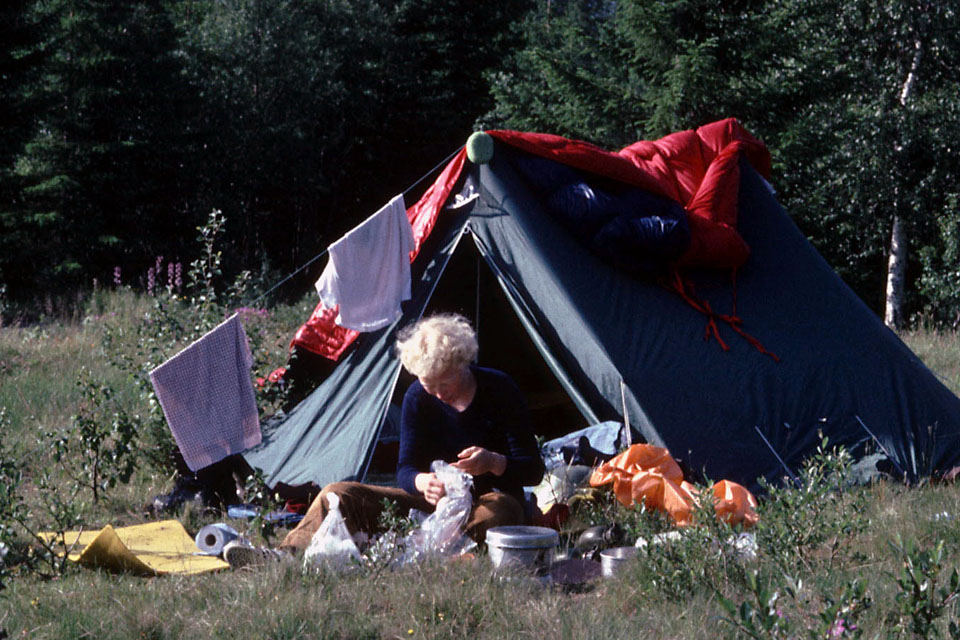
(922, 598)
(55, 508)
(97, 451)
(12, 507)
(832, 514)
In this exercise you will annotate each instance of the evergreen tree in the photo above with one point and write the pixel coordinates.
(21, 58)
(103, 166)
(297, 119)
(316, 113)
(571, 77)
(613, 73)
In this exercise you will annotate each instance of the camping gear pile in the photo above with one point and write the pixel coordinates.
(649, 476)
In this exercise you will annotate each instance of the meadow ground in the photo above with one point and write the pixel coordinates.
(834, 560)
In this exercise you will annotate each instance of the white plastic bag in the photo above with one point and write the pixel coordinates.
(331, 544)
(441, 533)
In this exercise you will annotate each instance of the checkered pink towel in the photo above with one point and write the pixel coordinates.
(207, 397)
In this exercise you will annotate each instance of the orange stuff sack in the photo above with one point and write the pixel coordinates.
(648, 475)
(734, 504)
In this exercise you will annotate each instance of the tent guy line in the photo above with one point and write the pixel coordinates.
(326, 250)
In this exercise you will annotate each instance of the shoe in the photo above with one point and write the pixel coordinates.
(240, 555)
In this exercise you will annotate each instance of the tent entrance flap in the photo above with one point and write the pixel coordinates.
(528, 320)
(470, 287)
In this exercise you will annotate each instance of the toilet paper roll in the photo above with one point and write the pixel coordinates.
(212, 538)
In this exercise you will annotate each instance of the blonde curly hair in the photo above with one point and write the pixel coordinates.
(437, 345)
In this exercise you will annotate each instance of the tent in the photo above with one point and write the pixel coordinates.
(737, 364)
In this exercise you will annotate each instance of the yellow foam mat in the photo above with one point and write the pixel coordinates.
(151, 549)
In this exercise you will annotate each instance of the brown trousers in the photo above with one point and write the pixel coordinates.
(361, 506)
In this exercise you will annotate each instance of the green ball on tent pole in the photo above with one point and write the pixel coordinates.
(480, 147)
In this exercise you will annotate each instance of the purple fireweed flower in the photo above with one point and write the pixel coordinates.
(178, 276)
(116, 276)
(151, 280)
(171, 271)
(158, 266)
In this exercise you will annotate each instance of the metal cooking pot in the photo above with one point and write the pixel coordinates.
(522, 547)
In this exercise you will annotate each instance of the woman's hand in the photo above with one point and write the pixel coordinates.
(477, 461)
(430, 486)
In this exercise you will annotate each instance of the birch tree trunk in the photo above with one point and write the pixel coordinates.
(896, 274)
(899, 241)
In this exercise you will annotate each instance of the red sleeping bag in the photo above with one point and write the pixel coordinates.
(697, 168)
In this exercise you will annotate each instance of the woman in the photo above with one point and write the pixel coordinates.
(472, 417)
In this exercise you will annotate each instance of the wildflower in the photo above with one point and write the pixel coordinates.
(171, 276)
(838, 628)
(151, 280)
(178, 276)
(116, 276)
(409, 632)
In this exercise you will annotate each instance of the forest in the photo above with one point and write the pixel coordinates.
(126, 123)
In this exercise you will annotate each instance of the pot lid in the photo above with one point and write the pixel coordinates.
(522, 537)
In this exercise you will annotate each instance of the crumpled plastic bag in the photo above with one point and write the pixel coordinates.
(441, 533)
(331, 544)
(559, 484)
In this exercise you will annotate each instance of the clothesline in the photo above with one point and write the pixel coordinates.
(324, 252)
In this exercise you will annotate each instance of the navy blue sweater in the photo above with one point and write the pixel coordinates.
(497, 420)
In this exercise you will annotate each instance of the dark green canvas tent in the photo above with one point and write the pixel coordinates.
(609, 340)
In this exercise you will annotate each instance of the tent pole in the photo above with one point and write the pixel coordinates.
(476, 304)
(628, 436)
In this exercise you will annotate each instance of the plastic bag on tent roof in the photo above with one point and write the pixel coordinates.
(331, 544)
(441, 533)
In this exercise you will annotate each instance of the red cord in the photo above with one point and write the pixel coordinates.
(685, 289)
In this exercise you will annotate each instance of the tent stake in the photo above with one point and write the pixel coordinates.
(792, 475)
(882, 448)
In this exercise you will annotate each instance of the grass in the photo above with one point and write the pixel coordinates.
(940, 351)
(675, 592)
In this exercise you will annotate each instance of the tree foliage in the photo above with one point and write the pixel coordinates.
(294, 118)
(820, 82)
(125, 123)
